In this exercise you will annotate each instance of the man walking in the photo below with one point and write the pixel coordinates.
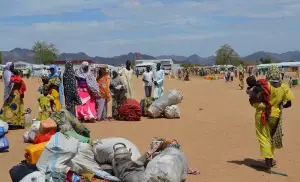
(148, 79)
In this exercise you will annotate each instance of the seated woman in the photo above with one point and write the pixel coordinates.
(88, 91)
(118, 93)
(13, 111)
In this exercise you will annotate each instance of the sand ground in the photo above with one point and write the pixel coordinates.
(216, 131)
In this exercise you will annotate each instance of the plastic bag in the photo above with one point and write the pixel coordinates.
(104, 153)
(4, 125)
(85, 159)
(172, 97)
(58, 152)
(172, 112)
(169, 166)
(29, 136)
(36, 176)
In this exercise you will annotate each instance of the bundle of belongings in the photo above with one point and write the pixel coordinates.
(130, 110)
(166, 105)
(62, 151)
(3, 140)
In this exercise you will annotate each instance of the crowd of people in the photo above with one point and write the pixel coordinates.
(80, 91)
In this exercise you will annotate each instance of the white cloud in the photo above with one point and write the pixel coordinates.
(185, 27)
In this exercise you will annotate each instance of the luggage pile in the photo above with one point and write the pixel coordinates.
(62, 151)
(166, 106)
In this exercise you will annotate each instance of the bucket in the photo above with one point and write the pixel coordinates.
(295, 82)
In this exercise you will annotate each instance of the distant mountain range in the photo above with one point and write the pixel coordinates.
(26, 55)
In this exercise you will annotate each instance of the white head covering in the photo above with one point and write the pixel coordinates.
(8, 65)
(84, 63)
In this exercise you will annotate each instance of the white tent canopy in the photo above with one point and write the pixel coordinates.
(280, 65)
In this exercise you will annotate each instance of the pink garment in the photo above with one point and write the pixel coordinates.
(87, 110)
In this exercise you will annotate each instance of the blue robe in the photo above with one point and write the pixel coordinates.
(159, 88)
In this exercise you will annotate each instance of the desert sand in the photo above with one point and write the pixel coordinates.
(216, 131)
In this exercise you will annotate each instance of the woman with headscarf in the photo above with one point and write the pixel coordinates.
(241, 76)
(118, 93)
(268, 116)
(54, 85)
(88, 91)
(72, 98)
(102, 80)
(13, 111)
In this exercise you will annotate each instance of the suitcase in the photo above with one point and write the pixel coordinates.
(33, 152)
(4, 144)
(48, 126)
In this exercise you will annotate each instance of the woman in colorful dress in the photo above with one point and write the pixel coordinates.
(118, 93)
(72, 98)
(269, 129)
(88, 91)
(241, 76)
(13, 111)
(105, 94)
(54, 85)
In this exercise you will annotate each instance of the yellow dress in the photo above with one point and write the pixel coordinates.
(278, 96)
(53, 92)
(45, 107)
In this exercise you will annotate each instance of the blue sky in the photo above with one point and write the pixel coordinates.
(156, 27)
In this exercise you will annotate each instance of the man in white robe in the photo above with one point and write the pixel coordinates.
(127, 77)
(159, 76)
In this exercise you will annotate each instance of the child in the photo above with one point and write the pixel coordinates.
(291, 82)
(19, 84)
(46, 103)
(254, 90)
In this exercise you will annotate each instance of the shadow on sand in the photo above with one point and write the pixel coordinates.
(258, 165)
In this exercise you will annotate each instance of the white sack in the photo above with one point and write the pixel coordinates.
(57, 153)
(84, 161)
(172, 97)
(169, 166)
(172, 112)
(4, 125)
(36, 176)
(104, 153)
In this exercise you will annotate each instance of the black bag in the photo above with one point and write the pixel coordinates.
(18, 172)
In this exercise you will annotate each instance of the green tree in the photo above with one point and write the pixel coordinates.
(45, 53)
(1, 58)
(226, 55)
(291, 60)
(268, 60)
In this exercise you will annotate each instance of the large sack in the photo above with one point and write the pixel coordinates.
(66, 121)
(85, 159)
(169, 166)
(29, 135)
(172, 112)
(4, 125)
(145, 104)
(18, 172)
(36, 176)
(173, 97)
(58, 152)
(104, 152)
(131, 109)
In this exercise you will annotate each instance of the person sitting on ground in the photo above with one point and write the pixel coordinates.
(46, 105)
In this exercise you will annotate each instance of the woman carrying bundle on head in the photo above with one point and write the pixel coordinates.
(13, 111)
(88, 91)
